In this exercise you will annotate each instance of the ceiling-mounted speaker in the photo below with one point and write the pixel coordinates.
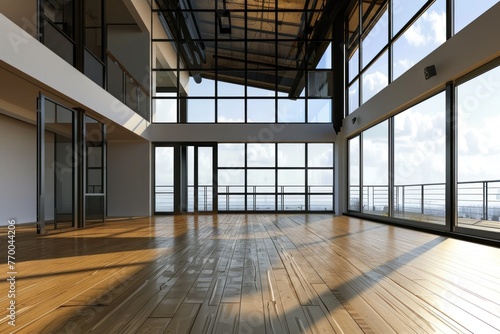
(429, 72)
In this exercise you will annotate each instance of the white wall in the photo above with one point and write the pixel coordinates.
(23, 13)
(231, 133)
(17, 171)
(129, 182)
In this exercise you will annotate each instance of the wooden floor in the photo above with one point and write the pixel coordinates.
(251, 273)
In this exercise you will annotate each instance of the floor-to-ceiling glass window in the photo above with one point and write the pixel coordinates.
(354, 172)
(420, 160)
(231, 177)
(276, 177)
(375, 169)
(164, 179)
(320, 172)
(478, 139)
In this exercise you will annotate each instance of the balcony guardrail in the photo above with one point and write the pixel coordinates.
(122, 85)
(475, 199)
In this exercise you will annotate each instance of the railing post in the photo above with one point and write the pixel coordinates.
(485, 200)
(422, 199)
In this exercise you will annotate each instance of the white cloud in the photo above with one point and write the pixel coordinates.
(438, 25)
(414, 35)
(376, 80)
(406, 63)
(431, 27)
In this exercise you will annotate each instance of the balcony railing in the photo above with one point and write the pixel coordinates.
(255, 198)
(122, 85)
(476, 200)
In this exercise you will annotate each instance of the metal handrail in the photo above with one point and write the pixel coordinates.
(475, 199)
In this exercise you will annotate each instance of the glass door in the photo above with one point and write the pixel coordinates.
(95, 171)
(56, 173)
(200, 183)
(185, 177)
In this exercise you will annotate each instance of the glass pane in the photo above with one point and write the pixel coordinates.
(205, 178)
(164, 179)
(291, 202)
(321, 202)
(354, 65)
(354, 170)
(420, 39)
(93, 27)
(419, 161)
(319, 110)
(93, 68)
(375, 78)
(232, 202)
(320, 155)
(231, 111)
(326, 60)
(261, 202)
(291, 155)
(231, 155)
(376, 39)
(261, 181)
(59, 167)
(291, 111)
(320, 181)
(229, 89)
(231, 181)
(115, 80)
(261, 111)
(403, 11)
(467, 11)
(58, 42)
(261, 155)
(320, 83)
(353, 102)
(375, 169)
(478, 200)
(165, 110)
(60, 14)
(200, 110)
(206, 88)
(291, 181)
(205, 174)
(254, 91)
(94, 209)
